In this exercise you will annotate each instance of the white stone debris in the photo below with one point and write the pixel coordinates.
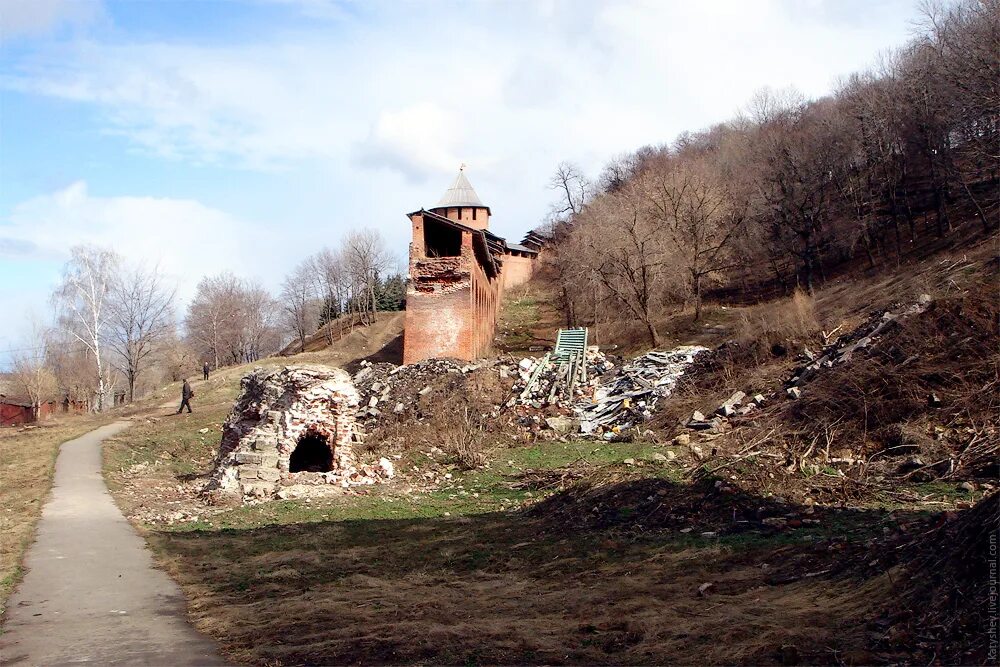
(630, 396)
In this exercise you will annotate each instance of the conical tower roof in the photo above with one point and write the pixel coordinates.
(460, 194)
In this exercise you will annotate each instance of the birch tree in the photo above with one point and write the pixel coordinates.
(82, 300)
(367, 259)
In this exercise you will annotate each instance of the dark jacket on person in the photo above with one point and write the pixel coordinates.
(186, 391)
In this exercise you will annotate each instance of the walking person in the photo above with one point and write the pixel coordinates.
(204, 370)
(186, 394)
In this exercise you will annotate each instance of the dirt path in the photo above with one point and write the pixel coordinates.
(91, 594)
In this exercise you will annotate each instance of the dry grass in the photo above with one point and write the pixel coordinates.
(946, 595)
(458, 415)
(465, 442)
(347, 332)
(27, 462)
(505, 589)
(777, 322)
(881, 402)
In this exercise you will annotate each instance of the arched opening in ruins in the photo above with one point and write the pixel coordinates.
(312, 454)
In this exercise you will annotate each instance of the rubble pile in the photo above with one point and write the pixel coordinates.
(595, 395)
(737, 405)
(840, 351)
(388, 388)
(629, 396)
(539, 383)
(844, 348)
(290, 427)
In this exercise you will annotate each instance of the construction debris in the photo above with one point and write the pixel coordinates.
(629, 396)
(840, 351)
(397, 389)
(844, 348)
(569, 390)
(551, 381)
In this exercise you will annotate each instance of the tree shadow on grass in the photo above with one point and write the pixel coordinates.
(539, 586)
(391, 352)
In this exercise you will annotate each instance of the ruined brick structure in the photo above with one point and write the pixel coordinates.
(291, 426)
(458, 273)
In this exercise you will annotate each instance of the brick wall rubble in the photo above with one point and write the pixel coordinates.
(274, 411)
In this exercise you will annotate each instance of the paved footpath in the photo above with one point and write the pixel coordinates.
(91, 594)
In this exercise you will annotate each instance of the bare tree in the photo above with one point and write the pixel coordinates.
(82, 299)
(31, 372)
(795, 180)
(140, 317)
(618, 243)
(574, 191)
(299, 305)
(257, 334)
(367, 259)
(700, 218)
(72, 366)
(232, 321)
(212, 314)
(329, 273)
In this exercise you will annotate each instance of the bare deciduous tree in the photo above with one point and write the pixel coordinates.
(330, 275)
(618, 242)
(82, 299)
(367, 259)
(232, 321)
(140, 317)
(299, 305)
(700, 218)
(257, 332)
(574, 191)
(212, 314)
(30, 371)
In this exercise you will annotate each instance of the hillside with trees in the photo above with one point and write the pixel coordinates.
(118, 334)
(772, 438)
(900, 161)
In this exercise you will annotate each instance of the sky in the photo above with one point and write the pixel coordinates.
(244, 135)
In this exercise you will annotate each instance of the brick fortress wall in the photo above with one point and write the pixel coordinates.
(451, 302)
(458, 273)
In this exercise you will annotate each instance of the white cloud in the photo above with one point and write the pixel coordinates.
(414, 141)
(415, 91)
(22, 18)
(184, 238)
(251, 107)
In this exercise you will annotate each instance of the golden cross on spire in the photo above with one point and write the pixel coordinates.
(461, 167)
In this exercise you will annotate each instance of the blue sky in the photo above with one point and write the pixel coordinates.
(206, 136)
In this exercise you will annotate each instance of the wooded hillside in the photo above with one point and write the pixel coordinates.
(900, 158)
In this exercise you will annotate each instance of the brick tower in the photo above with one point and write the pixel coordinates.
(461, 204)
(455, 283)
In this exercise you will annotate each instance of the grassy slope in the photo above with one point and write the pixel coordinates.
(462, 574)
